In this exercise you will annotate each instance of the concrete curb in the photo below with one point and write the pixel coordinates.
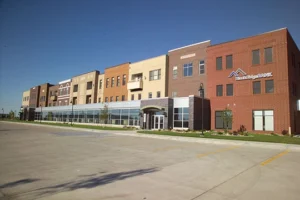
(291, 147)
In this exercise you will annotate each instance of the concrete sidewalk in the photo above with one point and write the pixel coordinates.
(179, 138)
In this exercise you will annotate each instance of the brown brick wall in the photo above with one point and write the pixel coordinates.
(116, 71)
(54, 90)
(243, 102)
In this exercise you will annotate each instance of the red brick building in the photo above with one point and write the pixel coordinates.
(258, 79)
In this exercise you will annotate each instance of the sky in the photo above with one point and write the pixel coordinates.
(53, 40)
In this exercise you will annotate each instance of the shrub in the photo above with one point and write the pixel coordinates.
(220, 133)
(235, 133)
(284, 132)
(242, 129)
(230, 133)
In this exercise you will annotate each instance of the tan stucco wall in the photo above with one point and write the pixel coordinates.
(25, 98)
(145, 66)
(100, 92)
(82, 80)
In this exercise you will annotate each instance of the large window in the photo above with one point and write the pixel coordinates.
(89, 85)
(112, 81)
(269, 86)
(174, 72)
(229, 62)
(268, 55)
(223, 119)
(155, 74)
(118, 81)
(219, 63)
(255, 57)
(75, 88)
(263, 120)
(181, 118)
(229, 90)
(201, 67)
(188, 69)
(219, 90)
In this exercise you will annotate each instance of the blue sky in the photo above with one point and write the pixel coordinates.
(50, 41)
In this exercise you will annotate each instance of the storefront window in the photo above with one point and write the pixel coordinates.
(181, 118)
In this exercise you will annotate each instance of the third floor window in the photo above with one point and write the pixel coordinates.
(100, 84)
(124, 79)
(155, 74)
(174, 72)
(89, 85)
(229, 62)
(201, 67)
(255, 57)
(188, 69)
(118, 81)
(75, 88)
(219, 63)
(268, 55)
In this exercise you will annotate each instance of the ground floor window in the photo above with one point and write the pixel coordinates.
(181, 118)
(263, 120)
(222, 119)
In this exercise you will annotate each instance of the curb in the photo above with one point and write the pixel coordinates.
(268, 145)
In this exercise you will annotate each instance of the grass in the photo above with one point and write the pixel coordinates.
(73, 126)
(251, 137)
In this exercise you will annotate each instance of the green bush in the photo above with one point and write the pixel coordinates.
(220, 133)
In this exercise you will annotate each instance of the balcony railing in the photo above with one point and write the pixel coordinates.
(135, 84)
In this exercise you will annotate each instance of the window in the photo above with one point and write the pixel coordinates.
(263, 120)
(89, 85)
(223, 119)
(256, 87)
(158, 94)
(139, 96)
(174, 94)
(219, 90)
(188, 69)
(100, 84)
(181, 117)
(268, 55)
(50, 93)
(174, 72)
(132, 97)
(42, 98)
(88, 99)
(118, 81)
(107, 83)
(75, 88)
(201, 67)
(106, 99)
(111, 99)
(229, 62)
(155, 75)
(229, 90)
(123, 97)
(293, 60)
(117, 98)
(255, 57)
(269, 86)
(150, 95)
(74, 101)
(99, 100)
(112, 81)
(219, 63)
(124, 79)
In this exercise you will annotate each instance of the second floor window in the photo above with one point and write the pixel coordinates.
(188, 69)
(174, 72)
(107, 83)
(229, 62)
(154, 75)
(100, 84)
(229, 90)
(118, 81)
(111, 99)
(158, 94)
(112, 81)
(89, 85)
(219, 90)
(75, 88)
(117, 98)
(150, 95)
(269, 86)
(124, 79)
(256, 87)
(201, 67)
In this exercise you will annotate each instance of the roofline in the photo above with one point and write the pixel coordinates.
(280, 29)
(117, 65)
(65, 81)
(149, 59)
(189, 45)
(85, 73)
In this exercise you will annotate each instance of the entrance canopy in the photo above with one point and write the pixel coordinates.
(154, 107)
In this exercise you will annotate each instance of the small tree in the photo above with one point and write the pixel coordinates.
(11, 114)
(104, 114)
(227, 118)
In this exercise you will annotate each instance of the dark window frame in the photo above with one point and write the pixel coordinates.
(228, 89)
(255, 89)
(253, 57)
(266, 56)
(228, 66)
(219, 61)
(266, 85)
(89, 85)
(219, 116)
(75, 86)
(219, 94)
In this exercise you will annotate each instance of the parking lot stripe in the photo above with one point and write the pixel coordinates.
(217, 151)
(274, 158)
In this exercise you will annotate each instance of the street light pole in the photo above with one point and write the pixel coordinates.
(201, 89)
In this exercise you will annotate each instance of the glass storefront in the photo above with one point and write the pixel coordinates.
(128, 116)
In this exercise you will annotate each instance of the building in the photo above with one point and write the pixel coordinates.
(52, 95)
(148, 79)
(84, 88)
(34, 97)
(187, 69)
(63, 95)
(100, 92)
(25, 99)
(43, 95)
(116, 78)
(257, 79)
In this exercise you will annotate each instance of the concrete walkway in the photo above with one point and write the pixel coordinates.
(177, 138)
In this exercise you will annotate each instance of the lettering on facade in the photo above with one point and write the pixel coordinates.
(188, 56)
(245, 76)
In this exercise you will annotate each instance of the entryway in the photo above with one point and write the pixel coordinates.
(157, 122)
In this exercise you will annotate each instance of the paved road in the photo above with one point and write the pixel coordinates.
(53, 163)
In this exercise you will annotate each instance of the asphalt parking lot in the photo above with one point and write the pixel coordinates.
(52, 163)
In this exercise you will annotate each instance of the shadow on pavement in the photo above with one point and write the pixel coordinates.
(19, 182)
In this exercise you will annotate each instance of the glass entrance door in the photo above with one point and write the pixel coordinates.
(158, 122)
